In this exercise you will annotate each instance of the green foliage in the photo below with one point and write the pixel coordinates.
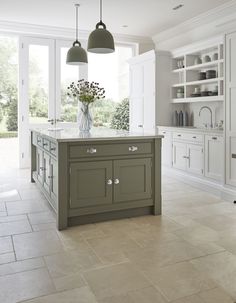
(1, 114)
(120, 119)
(12, 118)
(102, 112)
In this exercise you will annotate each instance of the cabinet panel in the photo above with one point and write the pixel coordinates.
(195, 159)
(132, 180)
(89, 184)
(166, 153)
(231, 161)
(53, 179)
(214, 157)
(179, 155)
(47, 172)
(40, 165)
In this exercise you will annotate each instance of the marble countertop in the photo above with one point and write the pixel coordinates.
(193, 129)
(96, 134)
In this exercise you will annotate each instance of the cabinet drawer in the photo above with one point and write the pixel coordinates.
(46, 144)
(188, 136)
(53, 149)
(109, 150)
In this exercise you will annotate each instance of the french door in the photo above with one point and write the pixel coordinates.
(43, 80)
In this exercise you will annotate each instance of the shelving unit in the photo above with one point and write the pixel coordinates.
(185, 75)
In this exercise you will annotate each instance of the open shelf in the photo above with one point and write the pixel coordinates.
(207, 81)
(198, 99)
(204, 65)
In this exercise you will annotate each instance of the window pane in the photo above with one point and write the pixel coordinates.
(111, 72)
(38, 83)
(69, 107)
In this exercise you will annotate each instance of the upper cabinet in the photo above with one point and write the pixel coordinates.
(198, 73)
(150, 91)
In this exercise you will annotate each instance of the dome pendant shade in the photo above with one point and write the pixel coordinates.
(76, 55)
(101, 40)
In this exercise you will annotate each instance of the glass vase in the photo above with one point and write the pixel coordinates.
(85, 120)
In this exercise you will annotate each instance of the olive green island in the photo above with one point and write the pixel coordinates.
(97, 176)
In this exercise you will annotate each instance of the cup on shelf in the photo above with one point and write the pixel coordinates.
(215, 57)
(206, 59)
(197, 61)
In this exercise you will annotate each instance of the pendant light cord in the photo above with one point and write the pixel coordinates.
(77, 21)
(101, 10)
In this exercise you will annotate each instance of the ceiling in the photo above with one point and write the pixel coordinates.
(144, 18)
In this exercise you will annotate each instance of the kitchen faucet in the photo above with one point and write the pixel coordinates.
(206, 107)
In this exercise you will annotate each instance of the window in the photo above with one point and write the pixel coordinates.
(111, 71)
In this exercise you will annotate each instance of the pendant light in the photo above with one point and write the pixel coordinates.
(76, 54)
(100, 40)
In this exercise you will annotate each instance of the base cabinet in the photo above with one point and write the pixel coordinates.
(179, 155)
(195, 159)
(214, 157)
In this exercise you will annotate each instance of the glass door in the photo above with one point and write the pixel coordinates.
(36, 90)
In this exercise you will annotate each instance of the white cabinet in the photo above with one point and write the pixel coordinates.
(195, 159)
(230, 109)
(149, 91)
(179, 155)
(188, 157)
(214, 157)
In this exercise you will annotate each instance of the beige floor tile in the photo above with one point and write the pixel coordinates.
(13, 218)
(190, 299)
(5, 245)
(113, 244)
(115, 280)
(216, 295)
(10, 195)
(71, 262)
(25, 285)
(32, 193)
(162, 255)
(145, 295)
(197, 234)
(44, 226)
(221, 268)
(14, 228)
(80, 295)
(36, 244)
(219, 222)
(7, 257)
(69, 282)
(42, 217)
(25, 207)
(19, 266)
(179, 280)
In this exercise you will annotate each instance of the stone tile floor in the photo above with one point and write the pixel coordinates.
(187, 255)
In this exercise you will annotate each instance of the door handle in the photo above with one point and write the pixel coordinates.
(91, 150)
(109, 182)
(117, 181)
(133, 148)
(214, 138)
(233, 156)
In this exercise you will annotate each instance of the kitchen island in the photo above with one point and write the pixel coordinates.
(97, 176)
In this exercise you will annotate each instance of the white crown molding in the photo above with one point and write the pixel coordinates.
(226, 10)
(60, 32)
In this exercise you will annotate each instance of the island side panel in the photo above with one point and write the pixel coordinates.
(63, 180)
(33, 158)
(157, 178)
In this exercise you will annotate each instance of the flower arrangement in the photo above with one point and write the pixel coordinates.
(85, 91)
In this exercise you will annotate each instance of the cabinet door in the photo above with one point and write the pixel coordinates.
(136, 97)
(90, 184)
(195, 159)
(166, 153)
(47, 172)
(179, 155)
(40, 165)
(53, 179)
(132, 180)
(214, 157)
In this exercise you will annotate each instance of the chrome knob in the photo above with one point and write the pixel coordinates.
(42, 168)
(50, 177)
(133, 148)
(91, 150)
(109, 182)
(117, 181)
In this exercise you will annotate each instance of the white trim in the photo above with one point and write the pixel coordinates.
(60, 32)
(215, 15)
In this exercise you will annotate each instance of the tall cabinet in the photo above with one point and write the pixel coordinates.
(150, 90)
(230, 110)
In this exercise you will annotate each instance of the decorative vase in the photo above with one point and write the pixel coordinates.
(84, 118)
